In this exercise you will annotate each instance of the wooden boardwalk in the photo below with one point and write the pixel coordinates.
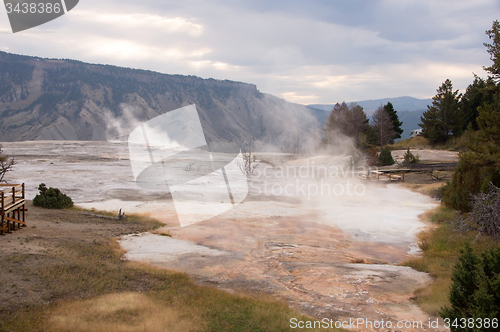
(386, 175)
(12, 207)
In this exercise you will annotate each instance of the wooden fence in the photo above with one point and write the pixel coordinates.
(12, 207)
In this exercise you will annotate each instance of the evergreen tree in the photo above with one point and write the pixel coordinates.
(465, 283)
(494, 51)
(385, 157)
(481, 164)
(466, 180)
(488, 295)
(410, 159)
(474, 97)
(393, 114)
(442, 120)
(475, 292)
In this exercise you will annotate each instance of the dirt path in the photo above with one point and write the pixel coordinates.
(28, 251)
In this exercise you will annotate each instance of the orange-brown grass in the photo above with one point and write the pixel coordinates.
(121, 312)
(441, 247)
(418, 142)
(91, 288)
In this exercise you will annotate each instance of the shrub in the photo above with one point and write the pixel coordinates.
(51, 198)
(410, 158)
(385, 157)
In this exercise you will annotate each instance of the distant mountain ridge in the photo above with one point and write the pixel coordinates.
(72, 100)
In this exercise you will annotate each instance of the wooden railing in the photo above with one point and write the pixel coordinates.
(12, 207)
(386, 174)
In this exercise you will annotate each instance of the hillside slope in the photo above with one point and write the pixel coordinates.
(45, 99)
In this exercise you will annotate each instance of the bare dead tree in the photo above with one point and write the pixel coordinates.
(486, 211)
(121, 216)
(189, 167)
(383, 126)
(436, 177)
(247, 163)
(485, 214)
(6, 164)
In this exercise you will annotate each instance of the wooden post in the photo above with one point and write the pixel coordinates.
(1, 217)
(8, 224)
(403, 178)
(24, 210)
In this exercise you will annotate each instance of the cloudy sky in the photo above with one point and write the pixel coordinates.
(321, 51)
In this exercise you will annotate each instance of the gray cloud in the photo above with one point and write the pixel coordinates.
(309, 52)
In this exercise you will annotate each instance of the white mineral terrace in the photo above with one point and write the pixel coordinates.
(330, 254)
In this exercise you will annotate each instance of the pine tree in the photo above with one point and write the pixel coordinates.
(385, 157)
(481, 164)
(465, 283)
(475, 292)
(474, 97)
(466, 180)
(494, 51)
(393, 114)
(442, 120)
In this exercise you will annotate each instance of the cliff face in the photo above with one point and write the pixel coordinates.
(45, 99)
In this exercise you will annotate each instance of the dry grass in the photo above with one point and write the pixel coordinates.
(88, 287)
(162, 232)
(441, 247)
(428, 189)
(418, 142)
(121, 312)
